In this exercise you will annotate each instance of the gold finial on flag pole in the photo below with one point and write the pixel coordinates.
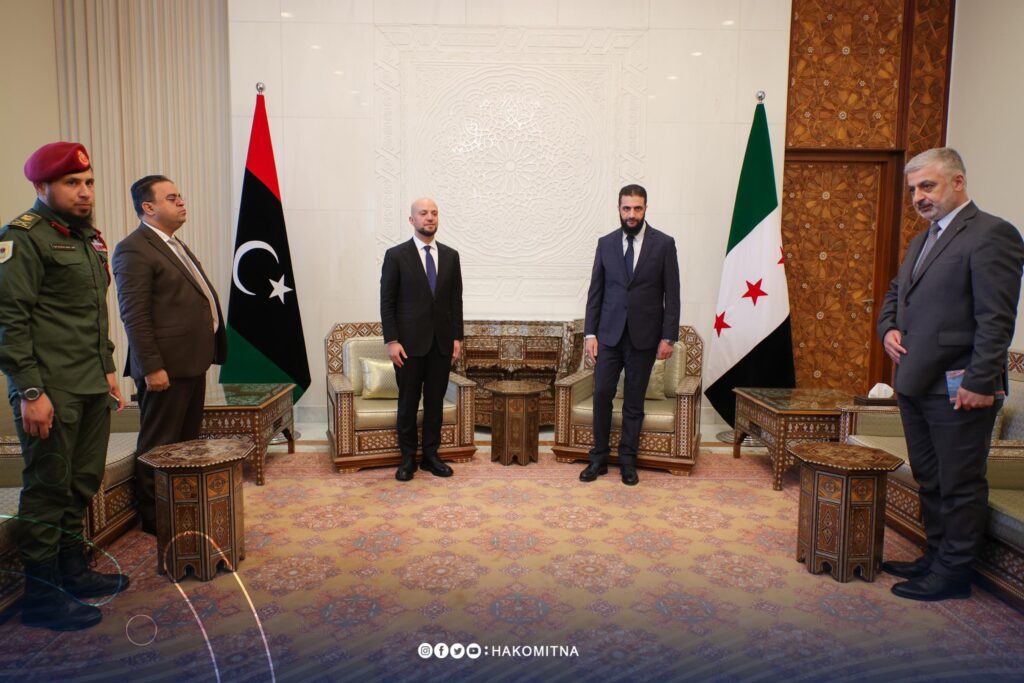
(760, 96)
(260, 87)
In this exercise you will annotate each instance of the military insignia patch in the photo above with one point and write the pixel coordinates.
(25, 220)
(83, 158)
(99, 246)
(6, 251)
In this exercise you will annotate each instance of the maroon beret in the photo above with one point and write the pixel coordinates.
(55, 160)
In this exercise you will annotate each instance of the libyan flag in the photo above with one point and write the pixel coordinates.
(752, 345)
(264, 325)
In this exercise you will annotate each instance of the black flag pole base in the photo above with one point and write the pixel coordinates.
(729, 436)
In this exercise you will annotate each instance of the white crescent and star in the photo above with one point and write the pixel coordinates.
(279, 288)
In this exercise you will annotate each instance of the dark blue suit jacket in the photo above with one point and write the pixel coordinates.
(649, 303)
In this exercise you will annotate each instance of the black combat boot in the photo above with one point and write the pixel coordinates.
(81, 581)
(47, 605)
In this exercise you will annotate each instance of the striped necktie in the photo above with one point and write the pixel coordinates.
(179, 250)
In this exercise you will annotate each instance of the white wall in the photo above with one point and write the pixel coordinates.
(522, 118)
(985, 105)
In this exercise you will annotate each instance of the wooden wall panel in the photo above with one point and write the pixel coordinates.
(829, 227)
(868, 89)
(927, 95)
(844, 74)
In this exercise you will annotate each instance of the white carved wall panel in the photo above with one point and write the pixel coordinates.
(524, 137)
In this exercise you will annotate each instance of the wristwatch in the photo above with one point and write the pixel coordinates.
(32, 393)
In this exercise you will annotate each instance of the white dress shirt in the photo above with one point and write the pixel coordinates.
(423, 255)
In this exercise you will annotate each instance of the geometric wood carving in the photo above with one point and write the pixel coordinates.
(829, 227)
(844, 74)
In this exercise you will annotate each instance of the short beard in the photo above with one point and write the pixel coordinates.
(628, 230)
(423, 232)
(78, 222)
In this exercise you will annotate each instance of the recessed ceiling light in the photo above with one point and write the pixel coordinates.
(287, 15)
(696, 54)
(314, 47)
(338, 72)
(364, 104)
(728, 22)
(673, 78)
(353, 92)
(651, 97)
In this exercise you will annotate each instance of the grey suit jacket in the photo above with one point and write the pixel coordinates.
(164, 311)
(959, 312)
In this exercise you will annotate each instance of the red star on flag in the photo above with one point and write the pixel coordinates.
(782, 256)
(754, 290)
(720, 323)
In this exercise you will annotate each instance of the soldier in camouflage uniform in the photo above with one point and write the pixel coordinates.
(56, 352)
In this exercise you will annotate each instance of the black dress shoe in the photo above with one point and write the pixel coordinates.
(909, 570)
(435, 466)
(405, 473)
(593, 471)
(629, 476)
(932, 587)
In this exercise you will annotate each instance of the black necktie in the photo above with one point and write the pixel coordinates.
(629, 258)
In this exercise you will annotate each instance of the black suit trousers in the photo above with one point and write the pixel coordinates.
(165, 417)
(948, 456)
(427, 377)
(610, 361)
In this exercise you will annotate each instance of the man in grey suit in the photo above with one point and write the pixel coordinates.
(632, 318)
(174, 323)
(951, 307)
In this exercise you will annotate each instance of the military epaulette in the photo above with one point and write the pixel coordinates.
(26, 221)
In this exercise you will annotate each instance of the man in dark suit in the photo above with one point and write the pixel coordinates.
(951, 307)
(632, 318)
(174, 324)
(421, 313)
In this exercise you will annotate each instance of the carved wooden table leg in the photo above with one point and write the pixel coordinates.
(777, 454)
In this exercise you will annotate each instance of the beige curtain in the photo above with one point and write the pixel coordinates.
(143, 84)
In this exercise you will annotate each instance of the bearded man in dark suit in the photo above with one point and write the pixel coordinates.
(421, 313)
(632, 319)
(951, 307)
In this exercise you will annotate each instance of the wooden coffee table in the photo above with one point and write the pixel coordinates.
(842, 508)
(783, 417)
(515, 422)
(255, 411)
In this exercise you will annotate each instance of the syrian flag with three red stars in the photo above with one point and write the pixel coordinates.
(752, 344)
(264, 326)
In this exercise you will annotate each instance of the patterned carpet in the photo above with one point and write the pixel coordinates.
(675, 579)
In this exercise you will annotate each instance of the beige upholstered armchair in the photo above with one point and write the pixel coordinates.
(670, 435)
(361, 431)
